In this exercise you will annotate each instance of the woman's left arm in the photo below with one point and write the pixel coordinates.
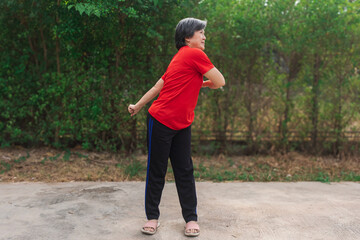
(153, 92)
(216, 79)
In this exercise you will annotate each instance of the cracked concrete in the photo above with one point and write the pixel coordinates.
(104, 210)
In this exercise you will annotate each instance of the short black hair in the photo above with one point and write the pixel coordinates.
(186, 29)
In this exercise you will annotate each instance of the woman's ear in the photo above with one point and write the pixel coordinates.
(187, 41)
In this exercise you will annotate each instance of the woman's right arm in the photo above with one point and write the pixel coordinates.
(216, 79)
(153, 92)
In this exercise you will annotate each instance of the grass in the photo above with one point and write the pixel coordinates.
(51, 165)
(135, 169)
(4, 167)
(286, 169)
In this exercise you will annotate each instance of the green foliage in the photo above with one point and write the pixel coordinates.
(323, 177)
(70, 68)
(5, 167)
(67, 156)
(83, 102)
(135, 168)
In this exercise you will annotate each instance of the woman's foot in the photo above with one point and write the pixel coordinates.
(192, 229)
(150, 227)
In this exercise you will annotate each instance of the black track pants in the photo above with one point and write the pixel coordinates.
(164, 142)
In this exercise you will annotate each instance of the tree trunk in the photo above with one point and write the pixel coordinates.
(44, 47)
(315, 105)
(58, 41)
(117, 64)
(249, 99)
(294, 68)
(34, 52)
(57, 52)
(338, 120)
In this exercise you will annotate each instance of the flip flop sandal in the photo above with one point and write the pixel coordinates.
(192, 225)
(152, 224)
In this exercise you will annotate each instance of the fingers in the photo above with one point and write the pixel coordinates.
(132, 109)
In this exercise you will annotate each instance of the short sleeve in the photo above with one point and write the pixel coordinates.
(201, 62)
(164, 76)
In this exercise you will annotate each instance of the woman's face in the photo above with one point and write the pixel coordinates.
(197, 40)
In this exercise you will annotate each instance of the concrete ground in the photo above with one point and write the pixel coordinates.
(104, 210)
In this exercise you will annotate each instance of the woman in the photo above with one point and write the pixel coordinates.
(169, 122)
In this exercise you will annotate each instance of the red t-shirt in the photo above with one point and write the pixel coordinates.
(182, 83)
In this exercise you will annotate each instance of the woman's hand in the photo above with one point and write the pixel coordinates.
(211, 85)
(216, 78)
(133, 109)
(208, 84)
(153, 92)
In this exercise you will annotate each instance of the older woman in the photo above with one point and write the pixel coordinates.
(169, 123)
